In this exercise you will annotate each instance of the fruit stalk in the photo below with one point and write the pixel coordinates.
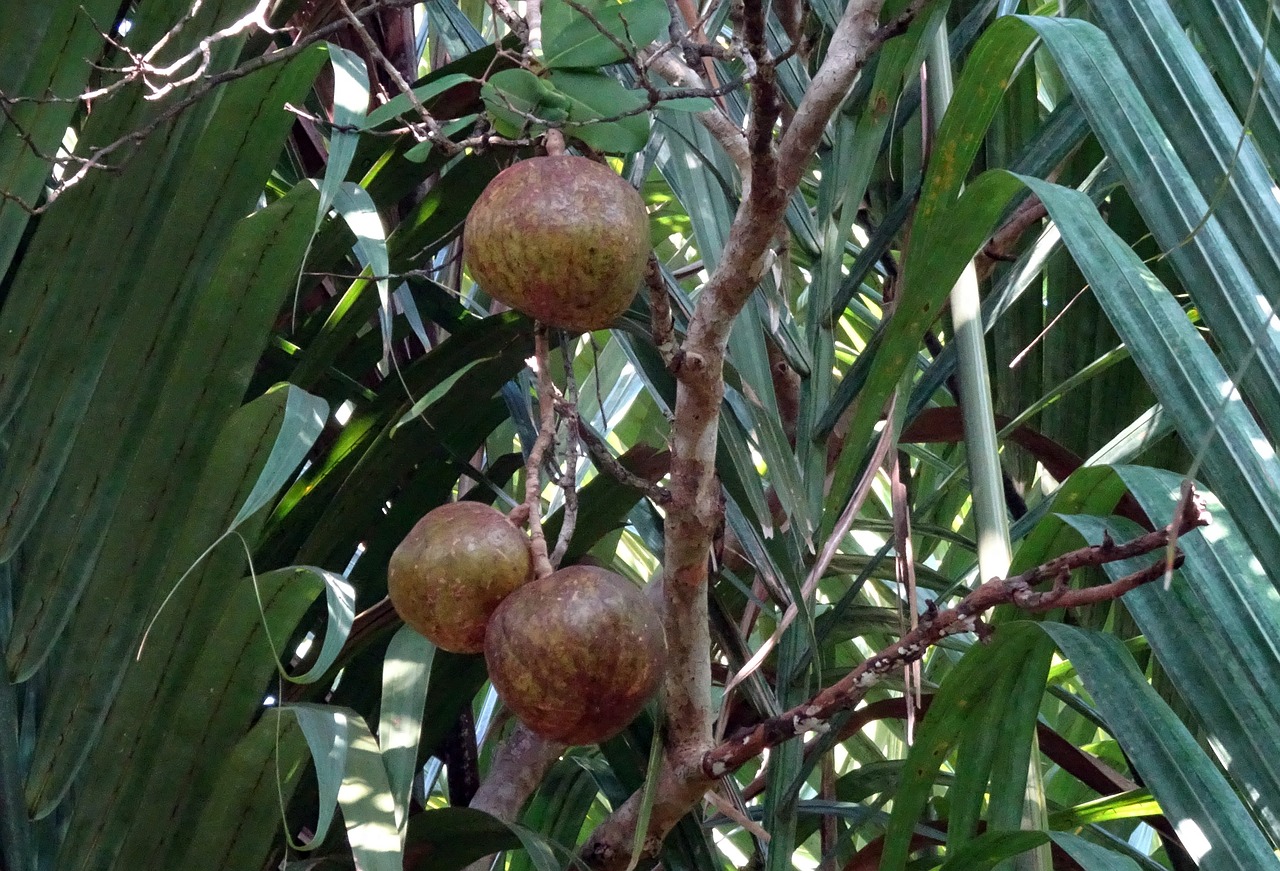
(533, 465)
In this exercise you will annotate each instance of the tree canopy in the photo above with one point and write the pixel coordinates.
(938, 437)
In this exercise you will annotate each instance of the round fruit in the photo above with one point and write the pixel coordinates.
(453, 569)
(576, 655)
(562, 239)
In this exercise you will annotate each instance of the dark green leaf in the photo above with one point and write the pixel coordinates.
(513, 95)
(577, 41)
(592, 96)
(1211, 822)
(447, 839)
(402, 104)
(990, 848)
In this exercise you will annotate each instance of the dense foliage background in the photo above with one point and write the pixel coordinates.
(241, 357)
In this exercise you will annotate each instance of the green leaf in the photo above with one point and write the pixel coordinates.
(434, 394)
(16, 849)
(1217, 149)
(99, 357)
(1125, 805)
(1213, 632)
(350, 771)
(1211, 822)
(995, 748)
(402, 104)
(240, 821)
(560, 807)
(1091, 856)
(357, 208)
(451, 838)
(1227, 264)
(1235, 44)
(1177, 363)
(651, 778)
(592, 96)
(304, 418)
(406, 671)
(113, 506)
(990, 848)
(578, 41)
(935, 266)
(43, 48)
(111, 618)
(340, 600)
(538, 848)
(350, 100)
(962, 696)
(211, 702)
(511, 95)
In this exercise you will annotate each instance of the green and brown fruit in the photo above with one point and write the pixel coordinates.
(562, 238)
(453, 569)
(576, 655)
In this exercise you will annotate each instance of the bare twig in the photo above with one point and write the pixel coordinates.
(609, 464)
(717, 123)
(201, 54)
(433, 131)
(812, 716)
(201, 87)
(661, 323)
(511, 18)
(905, 572)
(1000, 247)
(533, 38)
(568, 478)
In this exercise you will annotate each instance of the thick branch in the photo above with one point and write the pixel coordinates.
(694, 513)
(517, 768)
(856, 38)
(661, 323)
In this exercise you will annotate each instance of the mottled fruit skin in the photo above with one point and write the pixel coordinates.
(453, 569)
(576, 655)
(562, 239)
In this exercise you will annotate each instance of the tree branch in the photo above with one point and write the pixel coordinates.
(856, 38)
(717, 123)
(694, 513)
(530, 511)
(199, 90)
(679, 788)
(812, 716)
(511, 18)
(517, 767)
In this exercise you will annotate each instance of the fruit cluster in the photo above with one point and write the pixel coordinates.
(574, 655)
(578, 653)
